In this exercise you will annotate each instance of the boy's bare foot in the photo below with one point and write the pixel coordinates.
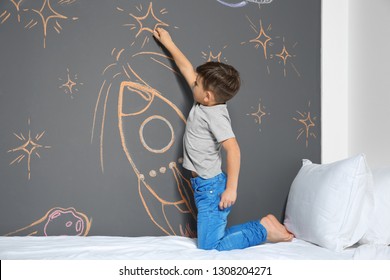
(276, 232)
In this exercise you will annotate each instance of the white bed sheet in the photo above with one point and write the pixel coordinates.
(372, 252)
(167, 247)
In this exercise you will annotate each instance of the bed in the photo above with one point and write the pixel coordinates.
(336, 212)
(169, 247)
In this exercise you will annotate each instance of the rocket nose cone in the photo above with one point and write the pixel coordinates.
(134, 98)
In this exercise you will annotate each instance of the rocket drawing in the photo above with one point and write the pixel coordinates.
(150, 129)
(139, 122)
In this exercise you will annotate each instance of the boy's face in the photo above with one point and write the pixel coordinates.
(200, 94)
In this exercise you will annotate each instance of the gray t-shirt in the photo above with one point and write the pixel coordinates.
(207, 127)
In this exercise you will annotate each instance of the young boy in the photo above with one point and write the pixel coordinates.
(208, 129)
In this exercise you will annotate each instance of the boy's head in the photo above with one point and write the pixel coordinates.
(220, 78)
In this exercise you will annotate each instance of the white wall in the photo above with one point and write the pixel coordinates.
(356, 80)
(369, 80)
(334, 76)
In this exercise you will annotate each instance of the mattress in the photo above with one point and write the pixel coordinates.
(168, 248)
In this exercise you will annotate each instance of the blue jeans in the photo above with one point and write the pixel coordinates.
(212, 232)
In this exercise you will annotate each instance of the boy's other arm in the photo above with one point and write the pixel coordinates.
(233, 156)
(180, 59)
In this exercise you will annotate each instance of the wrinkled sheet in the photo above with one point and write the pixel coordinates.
(372, 252)
(166, 247)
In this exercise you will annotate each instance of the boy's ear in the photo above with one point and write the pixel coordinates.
(209, 96)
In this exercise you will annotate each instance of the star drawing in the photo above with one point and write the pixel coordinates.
(29, 147)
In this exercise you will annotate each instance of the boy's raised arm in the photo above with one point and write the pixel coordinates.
(180, 59)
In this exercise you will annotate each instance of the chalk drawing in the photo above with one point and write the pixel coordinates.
(274, 48)
(142, 110)
(285, 56)
(240, 4)
(7, 12)
(210, 56)
(146, 22)
(259, 114)
(29, 147)
(262, 39)
(57, 221)
(307, 121)
(48, 15)
(71, 85)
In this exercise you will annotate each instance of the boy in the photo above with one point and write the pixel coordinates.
(208, 129)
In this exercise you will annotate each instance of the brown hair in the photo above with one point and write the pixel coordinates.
(220, 78)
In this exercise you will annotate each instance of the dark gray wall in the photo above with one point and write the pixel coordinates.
(92, 110)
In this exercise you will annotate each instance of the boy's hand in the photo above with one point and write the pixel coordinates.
(184, 65)
(162, 35)
(228, 198)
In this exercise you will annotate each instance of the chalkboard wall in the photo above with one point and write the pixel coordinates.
(93, 109)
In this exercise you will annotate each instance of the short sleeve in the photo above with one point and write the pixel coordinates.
(220, 127)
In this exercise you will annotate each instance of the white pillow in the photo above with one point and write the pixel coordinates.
(329, 204)
(379, 226)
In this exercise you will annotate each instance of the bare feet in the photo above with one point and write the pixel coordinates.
(276, 232)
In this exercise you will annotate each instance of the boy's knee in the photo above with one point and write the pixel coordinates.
(206, 246)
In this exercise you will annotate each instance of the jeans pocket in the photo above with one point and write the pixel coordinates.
(206, 200)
